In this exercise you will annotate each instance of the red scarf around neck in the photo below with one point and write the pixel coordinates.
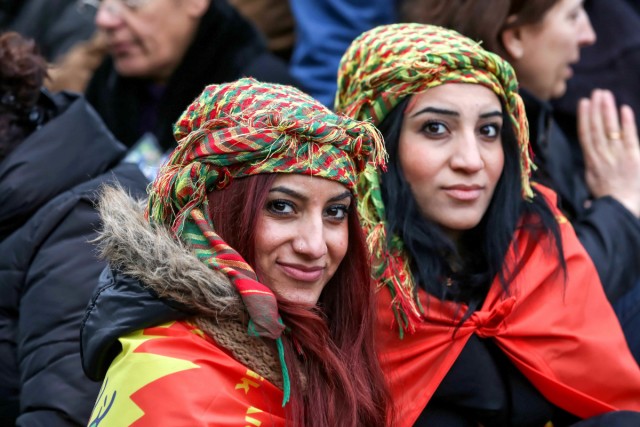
(562, 335)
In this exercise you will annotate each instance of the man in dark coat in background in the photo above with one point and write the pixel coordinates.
(163, 53)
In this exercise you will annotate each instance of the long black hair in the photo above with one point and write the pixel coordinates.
(463, 274)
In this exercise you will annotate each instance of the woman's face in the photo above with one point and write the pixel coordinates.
(302, 235)
(542, 53)
(149, 40)
(450, 151)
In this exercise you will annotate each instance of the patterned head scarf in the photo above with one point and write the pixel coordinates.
(246, 128)
(381, 68)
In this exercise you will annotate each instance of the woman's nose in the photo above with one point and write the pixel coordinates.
(466, 155)
(310, 241)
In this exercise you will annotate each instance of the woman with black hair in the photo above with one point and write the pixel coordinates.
(490, 311)
(594, 168)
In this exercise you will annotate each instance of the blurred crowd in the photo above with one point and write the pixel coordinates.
(93, 94)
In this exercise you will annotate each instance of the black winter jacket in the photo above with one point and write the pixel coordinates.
(226, 47)
(606, 229)
(48, 267)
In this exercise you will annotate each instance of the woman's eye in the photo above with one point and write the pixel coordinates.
(434, 128)
(280, 207)
(490, 131)
(337, 212)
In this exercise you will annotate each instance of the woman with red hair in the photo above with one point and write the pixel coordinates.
(248, 228)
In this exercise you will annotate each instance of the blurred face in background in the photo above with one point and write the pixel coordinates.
(148, 38)
(542, 53)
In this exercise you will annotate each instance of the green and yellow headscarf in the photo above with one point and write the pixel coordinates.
(380, 69)
(247, 128)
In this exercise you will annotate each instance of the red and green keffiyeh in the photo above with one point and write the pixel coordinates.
(246, 128)
(381, 68)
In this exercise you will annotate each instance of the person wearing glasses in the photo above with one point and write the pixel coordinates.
(162, 53)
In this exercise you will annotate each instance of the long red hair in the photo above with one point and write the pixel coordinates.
(343, 382)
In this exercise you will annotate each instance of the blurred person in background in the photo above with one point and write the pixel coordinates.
(162, 53)
(55, 153)
(324, 30)
(609, 63)
(55, 25)
(274, 19)
(65, 33)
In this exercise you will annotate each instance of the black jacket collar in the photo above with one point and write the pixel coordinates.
(69, 149)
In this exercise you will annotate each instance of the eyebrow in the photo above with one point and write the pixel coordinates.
(345, 195)
(454, 113)
(293, 193)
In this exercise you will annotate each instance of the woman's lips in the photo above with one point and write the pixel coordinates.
(464, 193)
(302, 273)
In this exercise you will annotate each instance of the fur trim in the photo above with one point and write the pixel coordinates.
(165, 265)
(162, 263)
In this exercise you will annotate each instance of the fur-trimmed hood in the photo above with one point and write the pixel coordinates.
(154, 278)
(163, 264)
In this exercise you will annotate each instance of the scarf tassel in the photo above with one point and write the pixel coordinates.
(285, 372)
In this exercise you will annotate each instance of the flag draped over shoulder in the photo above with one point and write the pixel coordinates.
(550, 329)
(172, 374)
(246, 128)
